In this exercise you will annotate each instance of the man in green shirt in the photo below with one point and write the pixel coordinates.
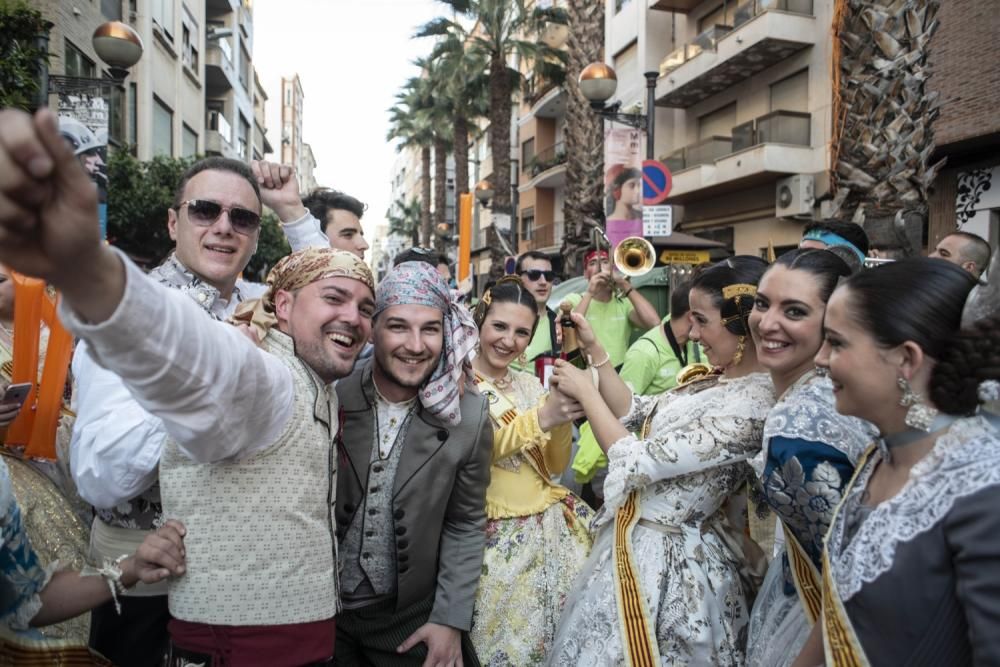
(612, 306)
(651, 367)
(535, 270)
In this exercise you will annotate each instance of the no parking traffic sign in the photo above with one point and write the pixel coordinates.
(656, 182)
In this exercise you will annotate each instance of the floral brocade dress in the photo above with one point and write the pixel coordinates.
(810, 451)
(666, 582)
(537, 532)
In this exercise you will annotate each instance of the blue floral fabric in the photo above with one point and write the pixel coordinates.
(22, 577)
(804, 481)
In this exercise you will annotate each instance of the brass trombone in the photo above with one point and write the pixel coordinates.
(634, 256)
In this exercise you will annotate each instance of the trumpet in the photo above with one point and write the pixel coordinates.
(635, 256)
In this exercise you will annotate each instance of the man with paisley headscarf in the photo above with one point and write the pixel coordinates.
(414, 459)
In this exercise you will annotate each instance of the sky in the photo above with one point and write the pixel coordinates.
(352, 56)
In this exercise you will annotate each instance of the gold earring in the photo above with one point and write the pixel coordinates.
(740, 347)
(523, 359)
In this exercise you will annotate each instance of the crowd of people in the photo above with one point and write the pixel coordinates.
(798, 465)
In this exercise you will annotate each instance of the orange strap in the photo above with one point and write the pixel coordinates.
(35, 426)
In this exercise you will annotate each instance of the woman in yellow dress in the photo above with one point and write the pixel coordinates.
(537, 532)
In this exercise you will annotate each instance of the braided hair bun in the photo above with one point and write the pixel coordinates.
(970, 357)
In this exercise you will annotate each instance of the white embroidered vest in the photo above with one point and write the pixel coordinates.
(260, 535)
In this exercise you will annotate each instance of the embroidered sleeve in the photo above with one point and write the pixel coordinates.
(638, 411)
(698, 445)
(23, 577)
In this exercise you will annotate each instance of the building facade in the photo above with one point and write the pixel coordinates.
(193, 92)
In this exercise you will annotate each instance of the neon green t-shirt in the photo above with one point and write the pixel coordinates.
(610, 323)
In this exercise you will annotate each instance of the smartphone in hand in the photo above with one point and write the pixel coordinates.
(15, 394)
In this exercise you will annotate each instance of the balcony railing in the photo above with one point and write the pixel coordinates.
(541, 236)
(217, 122)
(708, 150)
(547, 158)
(777, 127)
(707, 40)
(784, 127)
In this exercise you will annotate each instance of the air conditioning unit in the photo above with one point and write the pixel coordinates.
(794, 196)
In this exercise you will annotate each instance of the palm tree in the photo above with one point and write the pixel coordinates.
(410, 124)
(501, 26)
(404, 219)
(584, 135)
(462, 86)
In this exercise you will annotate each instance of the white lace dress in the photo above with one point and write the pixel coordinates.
(695, 456)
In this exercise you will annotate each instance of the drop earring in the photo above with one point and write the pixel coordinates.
(919, 415)
(740, 347)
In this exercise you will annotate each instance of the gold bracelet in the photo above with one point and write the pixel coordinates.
(607, 358)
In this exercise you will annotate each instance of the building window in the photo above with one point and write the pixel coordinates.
(189, 141)
(244, 143)
(217, 121)
(528, 223)
(626, 62)
(791, 93)
(621, 4)
(719, 123)
(189, 41)
(163, 16)
(111, 9)
(133, 117)
(163, 128)
(527, 153)
(77, 64)
(245, 76)
(116, 116)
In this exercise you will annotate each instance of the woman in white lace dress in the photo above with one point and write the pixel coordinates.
(911, 568)
(537, 532)
(665, 582)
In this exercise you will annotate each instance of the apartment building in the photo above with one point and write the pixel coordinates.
(193, 92)
(743, 109)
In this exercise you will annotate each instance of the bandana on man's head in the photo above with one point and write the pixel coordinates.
(419, 283)
(833, 240)
(594, 253)
(294, 272)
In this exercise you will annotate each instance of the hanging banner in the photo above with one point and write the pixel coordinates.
(623, 151)
(83, 122)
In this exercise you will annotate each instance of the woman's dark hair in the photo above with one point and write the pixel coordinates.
(509, 289)
(970, 357)
(851, 232)
(823, 265)
(742, 269)
(919, 299)
(625, 175)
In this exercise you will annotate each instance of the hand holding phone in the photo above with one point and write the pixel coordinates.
(11, 402)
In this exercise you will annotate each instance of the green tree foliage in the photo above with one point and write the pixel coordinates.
(139, 196)
(20, 58)
(405, 221)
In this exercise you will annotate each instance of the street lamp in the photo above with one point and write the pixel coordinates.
(598, 83)
(484, 192)
(118, 45)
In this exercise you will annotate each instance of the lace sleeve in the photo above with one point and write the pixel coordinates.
(698, 445)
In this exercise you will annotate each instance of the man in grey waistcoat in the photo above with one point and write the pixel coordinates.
(411, 499)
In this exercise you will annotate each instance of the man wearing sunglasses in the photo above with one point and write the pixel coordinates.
(535, 270)
(248, 462)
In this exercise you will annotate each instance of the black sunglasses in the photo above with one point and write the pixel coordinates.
(204, 213)
(535, 274)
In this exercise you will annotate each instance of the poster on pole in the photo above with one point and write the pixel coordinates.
(83, 122)
(624, 148)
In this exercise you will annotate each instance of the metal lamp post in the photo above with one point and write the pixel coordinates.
(598, 83)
